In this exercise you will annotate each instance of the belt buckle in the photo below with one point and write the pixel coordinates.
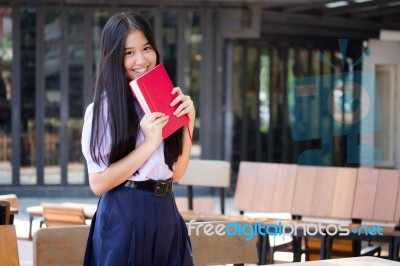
(161, 188)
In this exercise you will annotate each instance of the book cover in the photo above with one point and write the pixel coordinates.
(153, 92)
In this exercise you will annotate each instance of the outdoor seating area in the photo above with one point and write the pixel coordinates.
(285, 112)
(327, 196)
(335, 199)
(65, 213)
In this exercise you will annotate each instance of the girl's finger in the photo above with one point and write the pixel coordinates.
(184, 108)
(176, 90)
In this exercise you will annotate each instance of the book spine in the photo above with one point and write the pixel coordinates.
(140, 97)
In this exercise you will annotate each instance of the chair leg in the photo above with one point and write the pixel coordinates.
(41, 223)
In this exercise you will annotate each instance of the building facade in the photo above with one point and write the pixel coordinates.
(243, 63)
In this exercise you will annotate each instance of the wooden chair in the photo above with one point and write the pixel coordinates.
(61, 246)
(13, 199)
(245, 186)
(4, 212)
(207, 173)
(377, 194)
(221, 249)
(8, 246)
(376, 199)
(62, 215)
(333, 193)
(266, 188)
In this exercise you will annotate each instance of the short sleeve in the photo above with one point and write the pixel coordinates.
(92, 166)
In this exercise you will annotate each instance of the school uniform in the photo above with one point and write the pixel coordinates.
(136, 223)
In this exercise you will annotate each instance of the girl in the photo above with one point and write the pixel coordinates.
(130, 165)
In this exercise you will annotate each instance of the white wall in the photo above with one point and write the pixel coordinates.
(385, 52)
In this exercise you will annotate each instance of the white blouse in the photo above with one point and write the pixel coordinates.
(154, 168)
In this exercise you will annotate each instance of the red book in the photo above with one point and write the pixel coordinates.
(153, 92)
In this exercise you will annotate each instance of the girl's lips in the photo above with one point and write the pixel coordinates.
(140, 71)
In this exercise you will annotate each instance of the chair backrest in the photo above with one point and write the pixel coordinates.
(343, 196)
(207, 173)
(264, 192)
(61, 246)
(265, 187)
(61, 215)
(4, 212)
(275, 187)
(245, 186)
(221, 249)
(8, 246)
(325, 192)
(304, 189)
(12, 198)
(284, 188)
(377, 195)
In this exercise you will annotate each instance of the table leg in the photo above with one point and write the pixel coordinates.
(297, 248)
(264, 247)
(325, 249)
(394, 249)
(30, 227)
(356, 247)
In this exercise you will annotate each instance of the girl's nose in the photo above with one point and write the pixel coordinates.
(139, 58)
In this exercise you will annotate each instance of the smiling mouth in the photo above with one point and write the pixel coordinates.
(140, 71)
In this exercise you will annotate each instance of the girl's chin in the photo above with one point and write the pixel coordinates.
(133, 77)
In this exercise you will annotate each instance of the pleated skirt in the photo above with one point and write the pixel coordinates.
(135, 227)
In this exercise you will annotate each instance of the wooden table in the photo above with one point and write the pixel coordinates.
(37, 211)
(389, 236)
(354, 261)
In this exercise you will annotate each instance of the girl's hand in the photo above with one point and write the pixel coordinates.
(186, 104)
(152, 125)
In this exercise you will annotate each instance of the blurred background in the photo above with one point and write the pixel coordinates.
(311, 82)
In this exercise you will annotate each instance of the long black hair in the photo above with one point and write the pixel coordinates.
(112, 83)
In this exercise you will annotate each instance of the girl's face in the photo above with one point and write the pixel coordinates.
(139, 55)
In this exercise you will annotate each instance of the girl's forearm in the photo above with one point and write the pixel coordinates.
(121, 170)
(183, 160)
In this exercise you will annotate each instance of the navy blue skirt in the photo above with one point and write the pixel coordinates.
(135, 227)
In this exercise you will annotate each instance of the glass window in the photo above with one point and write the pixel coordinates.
(100, 18)
(263, 94)
(5, 95)
(237, 95)
(149, 16)
(192, 70)
(76, 57)
(170, 39)
(28, 92)
(52, 57)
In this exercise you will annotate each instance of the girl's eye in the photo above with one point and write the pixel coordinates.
(148, 48)
(128, 53)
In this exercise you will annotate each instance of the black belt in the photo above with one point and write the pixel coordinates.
(160, 187)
